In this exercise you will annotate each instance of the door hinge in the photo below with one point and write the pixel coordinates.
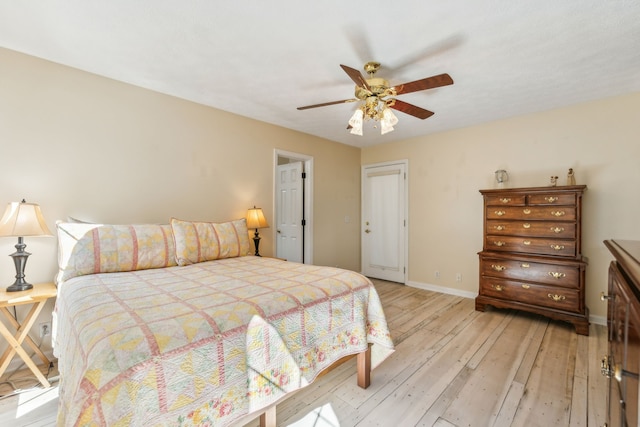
(304, 222)
(304, 175)
(405, 222)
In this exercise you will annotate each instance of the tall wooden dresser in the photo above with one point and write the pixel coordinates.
(531, 258)
(622, 363)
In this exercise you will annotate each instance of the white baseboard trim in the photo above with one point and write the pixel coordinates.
(597, 320)
(442, 289)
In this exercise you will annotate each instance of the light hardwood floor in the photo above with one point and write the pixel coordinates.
(453, 366)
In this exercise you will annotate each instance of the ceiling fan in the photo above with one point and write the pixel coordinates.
(378, 97)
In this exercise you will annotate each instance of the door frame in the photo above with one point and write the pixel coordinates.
(363, 170)
(308, 198)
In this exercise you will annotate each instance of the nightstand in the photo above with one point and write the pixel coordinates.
(37, 297)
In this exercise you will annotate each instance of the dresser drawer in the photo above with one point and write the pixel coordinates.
(561, 230)
(532, 213)
(552, 274)
(530, 245)
(552, 199)
(531, 293)
(506, 200)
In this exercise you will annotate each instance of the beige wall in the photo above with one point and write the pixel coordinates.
(598, 139)
(85, 146)
(89, 147)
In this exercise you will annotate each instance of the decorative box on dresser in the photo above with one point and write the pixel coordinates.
(622, 363)
(531, 257)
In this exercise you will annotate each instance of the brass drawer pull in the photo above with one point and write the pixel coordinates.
(525, 286)
(505, 200)
(497, 287)
(557, 247)
(526, 211)
(526, 225)
(551, 199)
(556, 297)
(557, 213)
(556, 275)
(500, 227)
(527, 242)
(499, 243)
(500, 213)
(498, 267)
(557, 229)
(525, 265)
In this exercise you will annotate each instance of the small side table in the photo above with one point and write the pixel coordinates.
(37, 296)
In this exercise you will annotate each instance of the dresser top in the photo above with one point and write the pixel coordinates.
(627, 253)
(530, 190)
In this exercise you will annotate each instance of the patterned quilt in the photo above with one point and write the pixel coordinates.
(208, 343)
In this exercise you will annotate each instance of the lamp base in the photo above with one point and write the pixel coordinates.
(256, 242)
(20, 260)
(17, 287)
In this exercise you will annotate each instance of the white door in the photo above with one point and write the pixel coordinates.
(384, 221)
(289, 200)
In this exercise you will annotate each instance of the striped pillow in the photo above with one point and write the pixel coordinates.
(97, 248)
(204, 241)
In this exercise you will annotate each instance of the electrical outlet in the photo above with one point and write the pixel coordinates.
(45, 329)
(437, 274)
(458, 277)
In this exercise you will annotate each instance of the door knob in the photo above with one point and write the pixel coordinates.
(367, 231)
(278, 231)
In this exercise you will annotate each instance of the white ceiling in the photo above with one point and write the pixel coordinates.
(262, 59)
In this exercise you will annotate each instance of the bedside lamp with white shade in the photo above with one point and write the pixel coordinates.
(22, 220)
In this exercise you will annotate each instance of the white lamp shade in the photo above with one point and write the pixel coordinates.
(256, 219)
(23, 219)
(356, 122)
(388, 121)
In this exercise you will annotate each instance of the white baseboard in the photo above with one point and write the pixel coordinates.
(598, 320)
(442, 289)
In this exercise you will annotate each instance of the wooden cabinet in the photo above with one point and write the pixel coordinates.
(622, 363)
(531, 257)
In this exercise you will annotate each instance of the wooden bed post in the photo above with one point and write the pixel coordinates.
(364, 368)
(268, 417)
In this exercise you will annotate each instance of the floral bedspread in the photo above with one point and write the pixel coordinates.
(208, 343)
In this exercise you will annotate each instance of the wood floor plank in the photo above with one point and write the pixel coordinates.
(597, 383)
(417, 394)
(547, 398)
(481, 399)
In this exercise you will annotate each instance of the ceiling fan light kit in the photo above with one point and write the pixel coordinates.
(379, 98)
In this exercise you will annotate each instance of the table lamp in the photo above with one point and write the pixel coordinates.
(22, 220)
(256, 219)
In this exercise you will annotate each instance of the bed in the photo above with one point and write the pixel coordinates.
(176, 325)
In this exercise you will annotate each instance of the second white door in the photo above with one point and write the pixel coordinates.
(384, 221)
(289, 199)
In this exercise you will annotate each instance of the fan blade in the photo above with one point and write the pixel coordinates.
(410, 109)
(324, 104)
(356, 76)
(424, 84)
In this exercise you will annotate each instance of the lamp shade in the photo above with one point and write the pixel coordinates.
(256, 219)
(23, 219)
